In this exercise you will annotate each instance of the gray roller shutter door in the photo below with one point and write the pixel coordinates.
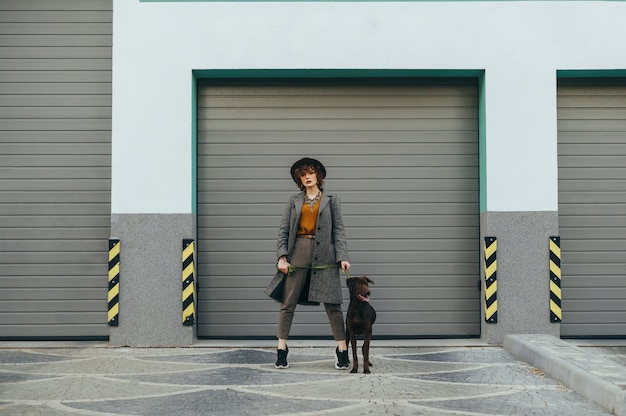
(402, 158)
(592, 206)
(55, 157)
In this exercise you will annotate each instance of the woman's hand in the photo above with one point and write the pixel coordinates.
(345, 265)
(283, 265)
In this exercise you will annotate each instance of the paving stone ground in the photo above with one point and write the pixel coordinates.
(434, 381)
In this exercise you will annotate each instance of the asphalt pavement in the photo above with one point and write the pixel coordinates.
(527, 375)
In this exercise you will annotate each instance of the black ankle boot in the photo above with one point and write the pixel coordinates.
(281, 360)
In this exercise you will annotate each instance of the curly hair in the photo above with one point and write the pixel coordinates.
(301, 170)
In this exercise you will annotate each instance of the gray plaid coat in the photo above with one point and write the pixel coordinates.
(330, 246)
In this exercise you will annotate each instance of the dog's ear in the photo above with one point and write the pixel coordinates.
(369, 280)
(349, 282)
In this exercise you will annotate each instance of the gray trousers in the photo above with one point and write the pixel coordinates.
(303, 253)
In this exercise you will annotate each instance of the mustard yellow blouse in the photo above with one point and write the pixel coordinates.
(308, 218)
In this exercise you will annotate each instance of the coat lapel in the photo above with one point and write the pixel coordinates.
(325, 200)
(299, 201)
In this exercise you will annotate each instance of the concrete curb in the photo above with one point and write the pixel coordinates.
(570, 365)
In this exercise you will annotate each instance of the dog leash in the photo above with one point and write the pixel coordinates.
(292, 268)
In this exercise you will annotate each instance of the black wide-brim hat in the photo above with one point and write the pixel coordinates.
(307, 161)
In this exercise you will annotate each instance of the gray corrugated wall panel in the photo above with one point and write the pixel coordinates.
(55, 157)
(269, 138)
(592, 203)
(43, 331)
(61, 7)
(97, 89)
(73, 28)
(409, 186)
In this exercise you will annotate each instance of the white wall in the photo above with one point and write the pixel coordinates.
(520, 45)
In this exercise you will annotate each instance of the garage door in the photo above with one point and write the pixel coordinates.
(55, 157)
(592, 207)
(403, 158)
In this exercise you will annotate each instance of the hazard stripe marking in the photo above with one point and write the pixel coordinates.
(555, 280)
(113, 296)
(491, 283)
(188, 291)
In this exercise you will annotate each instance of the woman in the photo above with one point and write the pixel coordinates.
(311, 240)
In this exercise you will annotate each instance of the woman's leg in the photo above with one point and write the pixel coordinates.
(335, 317)
(293, 286)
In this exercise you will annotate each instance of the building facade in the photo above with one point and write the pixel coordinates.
(478, 148)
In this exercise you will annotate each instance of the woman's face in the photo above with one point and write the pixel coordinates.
(308, 178)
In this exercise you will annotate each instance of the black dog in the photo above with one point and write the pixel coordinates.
(360, 319)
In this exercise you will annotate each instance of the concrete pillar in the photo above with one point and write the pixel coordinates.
(523, 273)
(150, 303)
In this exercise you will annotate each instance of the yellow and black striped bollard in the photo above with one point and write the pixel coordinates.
(555, 280)
(114, 282)
(189, 305)
(491, 281)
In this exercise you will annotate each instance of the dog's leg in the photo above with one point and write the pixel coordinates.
(369, 361)
(348, 339)
(367, 337)
(355, 364)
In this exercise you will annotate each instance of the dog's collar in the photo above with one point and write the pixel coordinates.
(363, 298)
